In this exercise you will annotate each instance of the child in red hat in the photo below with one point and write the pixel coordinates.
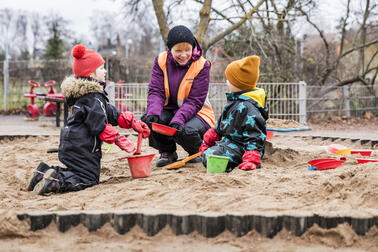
(91, 122)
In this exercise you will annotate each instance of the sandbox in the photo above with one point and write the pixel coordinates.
(283, 197)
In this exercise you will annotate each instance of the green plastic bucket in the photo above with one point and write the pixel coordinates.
(216, 164)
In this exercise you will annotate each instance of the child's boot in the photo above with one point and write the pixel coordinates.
(166, 158)
(195, 160)
(37, 175)
(49, 184)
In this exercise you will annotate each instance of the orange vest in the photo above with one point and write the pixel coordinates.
(206, 111)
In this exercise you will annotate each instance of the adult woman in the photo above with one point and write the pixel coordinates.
(177, 96)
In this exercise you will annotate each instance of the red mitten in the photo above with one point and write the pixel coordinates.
(141, 127)
(251, 159)
(110, 136)
(124, 144)
(209, 139)
(125, 120)
(203, 147)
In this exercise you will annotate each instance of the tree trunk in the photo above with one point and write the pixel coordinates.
(363, 40)
(203, 25)
(162, 20)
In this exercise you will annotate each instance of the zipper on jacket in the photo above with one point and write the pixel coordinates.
(106, 118)
(95, 143)
(103, 109)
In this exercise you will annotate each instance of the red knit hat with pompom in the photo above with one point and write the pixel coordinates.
(85, 61)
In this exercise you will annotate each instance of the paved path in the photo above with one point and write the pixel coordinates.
(18, 125)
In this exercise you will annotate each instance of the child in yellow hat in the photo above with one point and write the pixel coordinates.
(241, 129)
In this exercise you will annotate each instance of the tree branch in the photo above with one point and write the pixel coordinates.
(321, 34)
(259, 16)
(343, 31)
(233, 27)
(372, 58)
(374, 77)
(348, 81)
(217, 12)
(359, 47)
(357, 78)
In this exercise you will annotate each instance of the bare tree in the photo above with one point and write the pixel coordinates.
(335, 58)
(103, 26)
(36, 28)
(22, 27)
(162, 13)
(13, 25)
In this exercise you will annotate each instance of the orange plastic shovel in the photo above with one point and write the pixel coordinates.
(181, 163)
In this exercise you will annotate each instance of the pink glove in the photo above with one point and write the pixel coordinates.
(110, 136)
(251, 159)
(125, 120)
(141, 127)
(209, 139)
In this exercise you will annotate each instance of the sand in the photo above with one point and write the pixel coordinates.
(283, 186)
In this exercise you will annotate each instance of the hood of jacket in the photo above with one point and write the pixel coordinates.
(257, 96)
(75, 87)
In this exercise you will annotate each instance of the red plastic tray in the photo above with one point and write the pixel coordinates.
(362, 152)
(163, 129)
(362, 161)
(314, 162)
(326, 163)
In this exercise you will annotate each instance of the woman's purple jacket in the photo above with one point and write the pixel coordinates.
(197, 96)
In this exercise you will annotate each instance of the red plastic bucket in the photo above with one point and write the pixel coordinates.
(269, 135)
(140, 165)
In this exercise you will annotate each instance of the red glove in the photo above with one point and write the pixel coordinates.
(124, 144)
(125, 120)
(251, 159)
(209, 139)
(203, 147)
(141, 127)
(110, 135)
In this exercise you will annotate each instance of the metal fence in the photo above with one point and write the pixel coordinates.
(351, 100)
(285, 100)
(14, 80)
(296, 101)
